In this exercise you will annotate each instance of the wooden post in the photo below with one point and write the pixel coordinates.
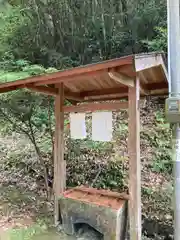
(59, 163)
(134, 163)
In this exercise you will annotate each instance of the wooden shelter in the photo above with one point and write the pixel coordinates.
(122, 80)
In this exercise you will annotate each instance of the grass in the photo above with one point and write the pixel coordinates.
(16, 223)
(26, 233)
(39, 228)
(29, 71)
(12, 76)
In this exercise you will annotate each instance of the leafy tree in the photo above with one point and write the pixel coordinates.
(159, 43)
(11, 20)
(69, 33)
(28, 114)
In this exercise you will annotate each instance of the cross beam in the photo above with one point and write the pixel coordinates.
(92, 107)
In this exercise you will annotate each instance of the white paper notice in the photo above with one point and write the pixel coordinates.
(77, 125)
(102, 126)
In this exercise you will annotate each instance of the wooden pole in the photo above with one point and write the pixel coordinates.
(134, 163)
(59, 163)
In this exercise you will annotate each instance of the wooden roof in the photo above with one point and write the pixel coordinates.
(107, 80)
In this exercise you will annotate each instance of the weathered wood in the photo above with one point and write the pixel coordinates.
(54, 92)
(157, 86)
(121, 78)
(42, 89)
(8, 89)
(112, 97)
(101, 192)
(74, 96)
(103, 92)
(92, 107)
(71, 74)
(134, 163)
(147, 61)
(147, 89)
(78, 77)
(85, 74)
(59, 163)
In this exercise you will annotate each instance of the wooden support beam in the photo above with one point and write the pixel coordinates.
(92, 107)
(121, 78)
(113, 97)
(71, 78)
(42, 89)
(102, 92)
(147, 89)
(157, 86)
(143, 89)
(8, 89)
(74, 96)
(134, 163)
(54, 92)
(59, 163)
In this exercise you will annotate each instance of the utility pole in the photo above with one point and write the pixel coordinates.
(173, 8)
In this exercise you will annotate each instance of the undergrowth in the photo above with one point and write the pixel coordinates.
(27, 233)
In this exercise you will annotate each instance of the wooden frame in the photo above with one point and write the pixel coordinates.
(133, 148)
(113, 80)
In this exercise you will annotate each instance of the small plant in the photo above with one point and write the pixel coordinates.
(162, 162)
(159, 43)
(147, 191)
(159, 117)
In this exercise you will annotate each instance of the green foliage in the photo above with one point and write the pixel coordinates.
(159, 43)
(162, 162)
(11, 20)
(27, 233)
(12, 76)
(76, 148)
(29, 114)
(62, 34)
(112, 177)
(23, 108)
(95, 145)
(34, 70)
(159, 138)
(147, 191)
(21, 69)
(122, 129)
(159, 117)
(107, 175)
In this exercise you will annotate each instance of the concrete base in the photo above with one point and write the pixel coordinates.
(111, 223)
